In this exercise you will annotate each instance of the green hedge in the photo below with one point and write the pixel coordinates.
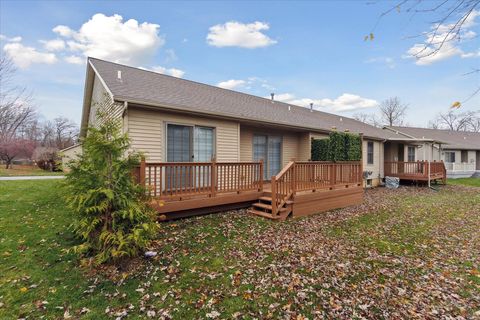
(340, 146)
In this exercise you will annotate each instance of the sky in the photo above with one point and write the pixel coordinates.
(304, 52)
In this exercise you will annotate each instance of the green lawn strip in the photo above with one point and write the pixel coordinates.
(473, 182)
(27, 172)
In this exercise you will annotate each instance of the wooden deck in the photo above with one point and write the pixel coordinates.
(416, 171)
(179, 189)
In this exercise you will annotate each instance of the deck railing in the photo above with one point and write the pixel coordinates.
(414, 169)
(312, 176)
(177, 180)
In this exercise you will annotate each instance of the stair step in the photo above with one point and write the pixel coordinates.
(266, 206)
(266, 198)
(264, 214)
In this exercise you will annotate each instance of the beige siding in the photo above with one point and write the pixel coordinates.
(304, 147)
(70, 154)
(101, 99)
(146, 129)
(246, 143)
(289, 147)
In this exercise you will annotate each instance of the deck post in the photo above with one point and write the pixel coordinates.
(294, 179)
(143, 168)
(261, 175)
(361, 159)
(274, 195)
(213, 177)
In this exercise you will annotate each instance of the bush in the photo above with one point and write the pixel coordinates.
(339, 146)
(46, 158)
(113, 219)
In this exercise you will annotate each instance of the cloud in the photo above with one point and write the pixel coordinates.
(24, 56)
(14, 39)
(343, 103)
(53, 45)
(236, 34)
(110, 38)
(387, 61)
(75, 60)
(441, 44)
(231, 84)
(170, 71)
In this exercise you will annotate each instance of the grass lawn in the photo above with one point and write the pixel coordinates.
(406, 253)
(22, 170)
(474, 182)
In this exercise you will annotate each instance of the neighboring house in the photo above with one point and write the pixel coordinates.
(459, 150)
(69, 154)
(174, 120)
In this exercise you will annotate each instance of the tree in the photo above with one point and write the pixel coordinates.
(393, 111)
(455, 121)
(13, 148)
(16, 110)
(370, 119)
(113, 219)
(451, 21)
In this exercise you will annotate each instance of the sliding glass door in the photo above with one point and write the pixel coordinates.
(268, 149)
(188, 144)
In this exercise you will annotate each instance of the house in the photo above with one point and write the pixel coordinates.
(459, 150)
(206, 146)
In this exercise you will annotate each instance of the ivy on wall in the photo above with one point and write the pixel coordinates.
(340, 146)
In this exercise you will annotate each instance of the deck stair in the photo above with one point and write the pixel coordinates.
(264, 208)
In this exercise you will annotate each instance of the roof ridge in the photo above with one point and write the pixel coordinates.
(433, 129)
(300, 108)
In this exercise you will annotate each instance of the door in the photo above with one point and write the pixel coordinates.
(268, 149)
(478, 161)
(179, 149)
(401, 158)
(274, 155)
(188, 144)
(401, 152)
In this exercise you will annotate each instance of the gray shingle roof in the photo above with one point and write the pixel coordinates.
(455, 139)
(151, 88)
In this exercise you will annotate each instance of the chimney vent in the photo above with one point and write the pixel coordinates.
(289, 108)
(272, 95)
(311, 106)
(119, 75)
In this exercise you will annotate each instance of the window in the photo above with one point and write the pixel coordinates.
(449, 156)
(464, 156)
(411, 154)
(370, 152)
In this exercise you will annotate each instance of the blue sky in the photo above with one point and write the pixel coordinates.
(303, 51)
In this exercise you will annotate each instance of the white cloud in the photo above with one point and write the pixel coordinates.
(170, 71)
(24, 56)
(387, 61)
(14, 39)
(75, 60)
(53, 45)
(231, 84)
(440, 43)
(110, 38)
(345, 102)
(236, 34)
